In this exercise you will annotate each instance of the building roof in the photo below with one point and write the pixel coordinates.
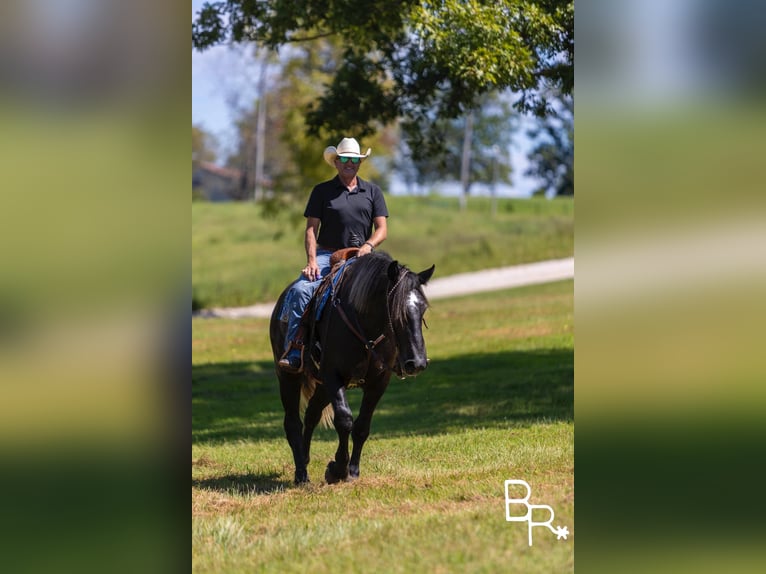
(227, 172)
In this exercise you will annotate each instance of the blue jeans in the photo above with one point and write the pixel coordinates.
(300, 294)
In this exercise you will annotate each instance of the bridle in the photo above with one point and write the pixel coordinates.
(370, 345)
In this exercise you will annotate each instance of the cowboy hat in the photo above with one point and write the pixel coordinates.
(348, 147)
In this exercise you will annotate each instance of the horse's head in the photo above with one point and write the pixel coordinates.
(408, 305)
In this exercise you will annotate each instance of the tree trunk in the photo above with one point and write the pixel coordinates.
(465, 165)
(260, 130)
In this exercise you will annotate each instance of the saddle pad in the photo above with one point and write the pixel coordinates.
(337, 273)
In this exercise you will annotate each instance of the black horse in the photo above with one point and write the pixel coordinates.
(370, 327)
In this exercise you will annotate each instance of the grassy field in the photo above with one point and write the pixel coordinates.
(495, 403)
(240, 257)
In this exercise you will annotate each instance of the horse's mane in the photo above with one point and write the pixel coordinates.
(368, 280)
(368, 286)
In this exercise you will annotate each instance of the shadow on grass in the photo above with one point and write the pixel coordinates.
(240, 401)
(244, 484)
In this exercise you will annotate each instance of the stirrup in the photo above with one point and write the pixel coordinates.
(284, 362)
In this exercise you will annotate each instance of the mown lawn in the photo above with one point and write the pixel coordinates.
(495, 403)
(241, 257)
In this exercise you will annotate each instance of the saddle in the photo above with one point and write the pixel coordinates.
(343, 255)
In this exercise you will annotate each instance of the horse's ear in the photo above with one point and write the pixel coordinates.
(393, 271)
(424, 276)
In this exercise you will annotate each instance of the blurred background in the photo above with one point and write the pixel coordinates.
(670, 253)
(94, 297)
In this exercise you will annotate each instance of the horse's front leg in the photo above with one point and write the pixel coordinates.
(337, 469)
(361, 428)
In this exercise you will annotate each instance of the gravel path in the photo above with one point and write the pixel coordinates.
(443, 287)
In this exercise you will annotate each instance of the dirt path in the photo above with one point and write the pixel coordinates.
(443, 287)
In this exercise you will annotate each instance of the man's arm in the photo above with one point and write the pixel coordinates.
(378, 235)
(311, 271)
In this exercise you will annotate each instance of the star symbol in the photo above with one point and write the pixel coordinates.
(562, 532)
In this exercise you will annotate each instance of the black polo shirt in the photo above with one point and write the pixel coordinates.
(346, 216)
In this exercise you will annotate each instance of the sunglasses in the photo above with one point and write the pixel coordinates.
(353, 159)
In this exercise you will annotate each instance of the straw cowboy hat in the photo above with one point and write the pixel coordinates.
(348, 147)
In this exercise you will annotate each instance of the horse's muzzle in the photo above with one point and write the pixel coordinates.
(415, 366)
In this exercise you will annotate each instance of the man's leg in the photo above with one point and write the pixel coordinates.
(295, 303)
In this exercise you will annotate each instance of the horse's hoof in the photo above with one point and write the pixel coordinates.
(301, 477)
(330, 474)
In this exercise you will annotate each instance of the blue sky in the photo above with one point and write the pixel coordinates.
(220, 75)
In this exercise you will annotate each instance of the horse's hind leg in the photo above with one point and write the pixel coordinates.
(361, 428)
(290, 393)
(311, 419)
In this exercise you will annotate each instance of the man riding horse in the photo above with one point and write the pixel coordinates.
(367, 321)
(345, 211)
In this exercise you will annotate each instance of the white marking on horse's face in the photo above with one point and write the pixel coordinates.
(413, 300)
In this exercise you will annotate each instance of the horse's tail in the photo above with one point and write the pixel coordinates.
(308, 388)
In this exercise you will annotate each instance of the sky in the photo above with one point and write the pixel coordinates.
(218, 82)
(212, 86)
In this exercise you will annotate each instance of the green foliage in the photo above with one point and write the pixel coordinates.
(298, 164)
(293, 156)
(240, 257)
(409, 58)
(495, 403)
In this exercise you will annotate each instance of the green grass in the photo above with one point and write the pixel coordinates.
(495, 403)
(240, 257)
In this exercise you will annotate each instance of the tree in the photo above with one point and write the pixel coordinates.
(489, 129)
(300, 165)
(246, 87)
(256, 156)
(293, 161)
(552, 158)
(411, 59)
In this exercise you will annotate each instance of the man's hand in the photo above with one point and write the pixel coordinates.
(311, 272)
(364, 249)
